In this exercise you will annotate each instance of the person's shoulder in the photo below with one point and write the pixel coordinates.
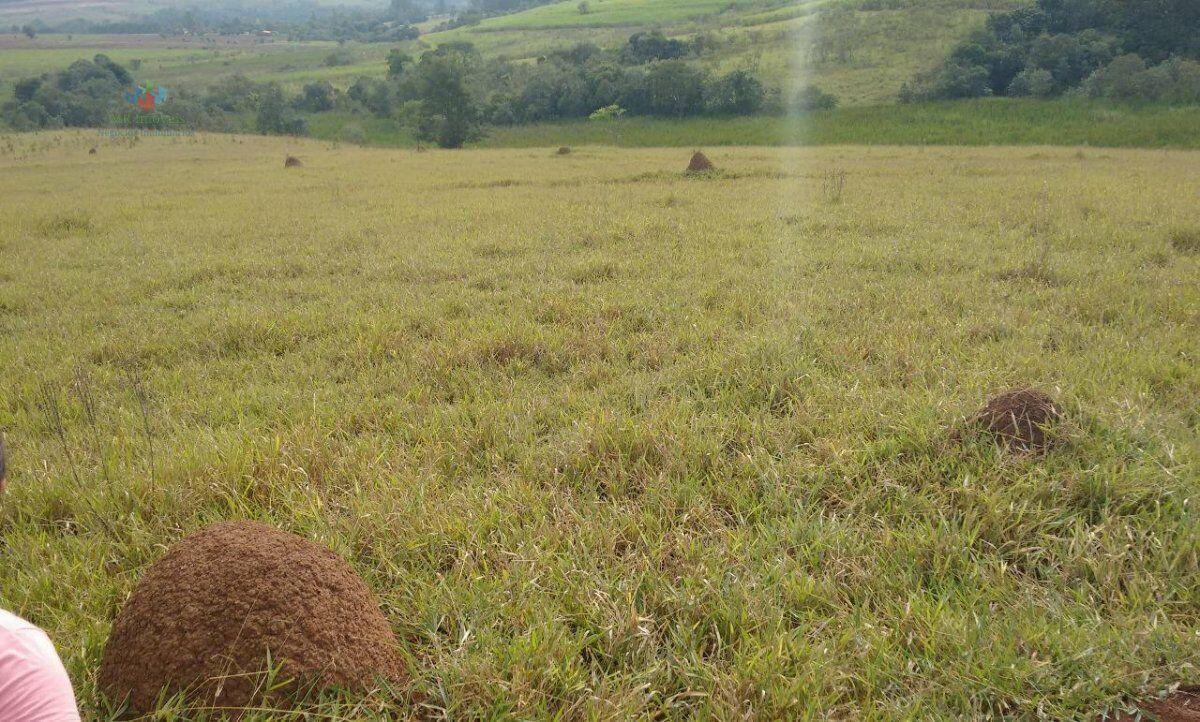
(19, 634)
(33, 683)
(10, 622)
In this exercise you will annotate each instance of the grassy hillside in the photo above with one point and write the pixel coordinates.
(189, 62)
(882, 48)
(876, 50)
(613, 442)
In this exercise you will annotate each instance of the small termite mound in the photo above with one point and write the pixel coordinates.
(700, 163)
(1017, 420)
(1186, 241)
(92, 151)
(292, 162)
(563, 150)
(226, 603)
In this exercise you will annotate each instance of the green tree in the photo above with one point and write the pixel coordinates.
(274, 116)
(316, 97)
(672, 88)
(738, 93)
(397, 61)
(448, 113)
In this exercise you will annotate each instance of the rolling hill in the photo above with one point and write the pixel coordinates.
(860, 50)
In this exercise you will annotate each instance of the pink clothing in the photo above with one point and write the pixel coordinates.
(34, 687)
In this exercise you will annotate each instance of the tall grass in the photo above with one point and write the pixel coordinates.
(972, 123)
(610, 441)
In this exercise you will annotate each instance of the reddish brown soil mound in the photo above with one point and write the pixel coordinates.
(700, 163)
(1182, 706)
(292, 162)
(204, 616)
(1019, 419)
(564, 150)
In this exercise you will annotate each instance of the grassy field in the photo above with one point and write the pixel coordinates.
(194, 63)
(984, 122)
(53, 12)
(610, 441)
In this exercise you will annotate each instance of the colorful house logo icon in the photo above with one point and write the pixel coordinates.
(147, 97)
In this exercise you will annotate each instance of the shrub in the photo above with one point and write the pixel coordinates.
(316, 97)
(738, 93)
(353, 133)
(949, 82)
(668, 88)
(1177, 80)
(374, 95)
(397, 61)
(82, 95)
(1186, 240)
(275, 117)
(608, 112)
(812, 98)
(1032, 83)
(341, 56)
(647, 47)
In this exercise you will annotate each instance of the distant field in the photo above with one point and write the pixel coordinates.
(53, 12)
(883, 48)
(613, 442)
(195, 62)
(983, 122)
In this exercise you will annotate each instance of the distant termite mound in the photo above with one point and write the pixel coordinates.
(292, 162)
(1020, 420)
(223, 604)
(700, 163)
(563, 150)
(92, 151)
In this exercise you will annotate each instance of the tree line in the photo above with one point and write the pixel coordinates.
(450, 92)
(447, 95)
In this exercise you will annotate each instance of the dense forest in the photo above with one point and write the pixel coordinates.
(1129, 49)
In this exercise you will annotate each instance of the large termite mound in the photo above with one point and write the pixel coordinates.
(1021, 420)
(223, 604)
(292, 162)
(700, 163)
